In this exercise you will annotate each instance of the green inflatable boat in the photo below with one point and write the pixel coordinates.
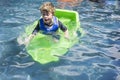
(44, 49)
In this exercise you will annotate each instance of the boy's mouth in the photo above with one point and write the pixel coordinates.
(48, 22)
(46, 19)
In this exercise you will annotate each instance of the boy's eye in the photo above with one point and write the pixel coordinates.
(45, 14)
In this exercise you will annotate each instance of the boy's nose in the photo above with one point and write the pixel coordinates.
(44, 16)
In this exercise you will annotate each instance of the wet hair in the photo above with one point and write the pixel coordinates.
(47, 6)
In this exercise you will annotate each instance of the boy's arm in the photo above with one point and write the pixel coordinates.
(31, 36)
(64, 29)
(28, 39)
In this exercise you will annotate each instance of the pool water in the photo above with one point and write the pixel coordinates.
(95, 57)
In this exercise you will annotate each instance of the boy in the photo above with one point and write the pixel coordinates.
(48, 24)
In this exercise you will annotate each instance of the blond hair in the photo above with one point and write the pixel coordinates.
(47, 6)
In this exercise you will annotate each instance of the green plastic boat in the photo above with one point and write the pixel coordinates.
(44, 49)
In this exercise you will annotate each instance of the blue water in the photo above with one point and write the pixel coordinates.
(95, 57)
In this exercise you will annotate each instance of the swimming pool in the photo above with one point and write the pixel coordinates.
(95, 57)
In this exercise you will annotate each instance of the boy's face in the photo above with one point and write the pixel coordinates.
(47, 17)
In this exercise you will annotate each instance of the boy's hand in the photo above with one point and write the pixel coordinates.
(66, 37)
(27, 40)
(66, 34)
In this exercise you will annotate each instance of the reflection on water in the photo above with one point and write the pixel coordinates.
(95, 57)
